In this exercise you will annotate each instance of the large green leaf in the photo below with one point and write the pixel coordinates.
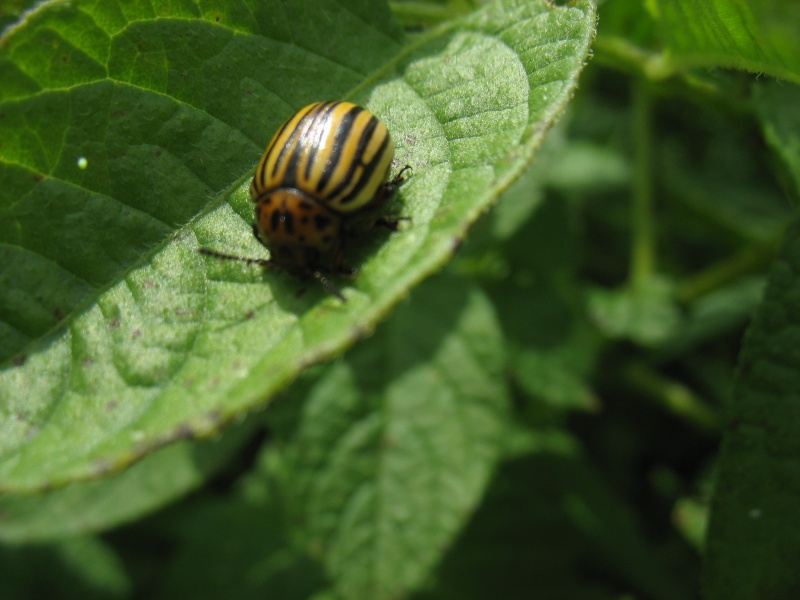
(753, 548)
(395, 445)
(119, 336)
(759, 36)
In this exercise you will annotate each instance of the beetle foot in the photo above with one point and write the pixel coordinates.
(391, 223)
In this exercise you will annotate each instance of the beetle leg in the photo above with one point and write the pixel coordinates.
(398, 179)
(392, 223)
(328, 285)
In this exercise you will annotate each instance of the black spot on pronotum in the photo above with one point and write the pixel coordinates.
(275, 220)
(288, 222)
(322, 222)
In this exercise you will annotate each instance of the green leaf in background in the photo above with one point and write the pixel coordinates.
(90, 506)
(129, 134)
(546, 541)
(645, 313)
(753, 548)
(382, 475)
(236, 548)
(759, 36)
(81, 568)
(778, 107)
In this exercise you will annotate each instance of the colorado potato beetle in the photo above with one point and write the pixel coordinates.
(328, 164)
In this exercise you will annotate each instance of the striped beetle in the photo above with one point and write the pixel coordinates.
(326, 164)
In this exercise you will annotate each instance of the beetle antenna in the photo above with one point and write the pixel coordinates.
(264, 262)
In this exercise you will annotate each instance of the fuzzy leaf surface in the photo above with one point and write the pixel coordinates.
(756, 36)
(130, 132)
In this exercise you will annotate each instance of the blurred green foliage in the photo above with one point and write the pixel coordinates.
(544, 418)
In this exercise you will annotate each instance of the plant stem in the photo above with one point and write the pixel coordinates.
(747, 260)
(620, 54)
(675, 397)
(643, 242)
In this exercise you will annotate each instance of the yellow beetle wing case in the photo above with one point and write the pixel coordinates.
(337, 153)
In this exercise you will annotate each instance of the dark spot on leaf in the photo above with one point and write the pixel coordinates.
(148, 284)
(411, 140)
(217, 18)
(214, 417)
(20, 360)
(114, 324)
(22, 415)
(88, 362)
(103, 466)
(249, 315)
(112, 404)
(136, 334)
(38, 177)
(182, 431)
(59, 316)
